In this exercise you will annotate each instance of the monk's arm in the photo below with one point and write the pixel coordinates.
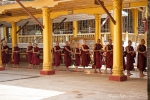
(85, 49)
(95, 48)
(129, 51)
(107, 50)
(75, 51)
(27, 50)
(67, 49)
(139, 50)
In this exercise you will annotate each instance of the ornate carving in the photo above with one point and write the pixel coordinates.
(117, 70)
(117, 4)
(46, 12)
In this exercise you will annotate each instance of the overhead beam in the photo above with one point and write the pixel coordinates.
(2, 39)
(59, 24)
(29, 13)
(98, 2)
(103, 23)
(1, 25)
(22, 27)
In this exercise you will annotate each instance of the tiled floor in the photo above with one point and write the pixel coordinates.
(28, 84)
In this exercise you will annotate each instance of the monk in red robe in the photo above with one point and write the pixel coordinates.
(36, 55)
(98, 56)
(5, 54)
(141, 61)
(57, 55)
(16, 56)
(85, 55)
(29, 51)
(130, 58)
(109, 56)
(77, 53)
(124, 55)
(67, 56)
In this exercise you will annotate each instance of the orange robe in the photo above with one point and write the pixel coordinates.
(109, 57)
(141, 60)
(85, 56)
(98, 56)
(16, 55)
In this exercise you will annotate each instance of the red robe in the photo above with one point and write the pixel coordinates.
(130, 59)
(35, 58)
(85, 56)
(109, 57)
(67, 56)
(141, 60)
(77, 57)
(16, 55)
(5, 55)
(124, 54)
(57, 56)
(98, 56)
(30, 54)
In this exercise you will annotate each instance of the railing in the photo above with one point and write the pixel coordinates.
(65, 37)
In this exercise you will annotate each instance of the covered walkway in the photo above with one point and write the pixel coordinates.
(28, 84)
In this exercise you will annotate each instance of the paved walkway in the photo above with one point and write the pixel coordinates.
(28, 84)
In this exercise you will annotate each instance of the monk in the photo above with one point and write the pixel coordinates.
(130, 58)
(98, 56)
(5, 54)
(57, 55)
(109, 56)
(29, 51)
(77, 53)
(67, 55)
(35, 56)
(141, 60)
(16, 56)
(124, 55)
(85, 55)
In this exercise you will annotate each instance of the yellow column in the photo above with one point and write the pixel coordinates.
(47, 37)
(118, 74)
(18, 34)
(135, 21)
(1, 65)
(75, 30)
(5, 33)
(112, 30)
(97, 27)
(14, 36)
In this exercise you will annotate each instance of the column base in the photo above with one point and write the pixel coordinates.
(2, 68)
(51, 72)
(118, 78)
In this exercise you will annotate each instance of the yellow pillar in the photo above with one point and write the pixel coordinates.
(112, 30)
(14, 36)
(18, 27)
(47, 37)
(5, 32)
(118, 74)
(1, 65)
(135, 21)
(75, 30)
(97, 27)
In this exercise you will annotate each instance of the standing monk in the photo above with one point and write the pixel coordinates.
(29, 51)
(109, 56)
(98, 56)
(57, 55)
(130, 58)
(67, 55)
(85, 55)
(124, 54)
(5, 54)
(141, 61)
(16, 56)
(77, 56)
(36, 55)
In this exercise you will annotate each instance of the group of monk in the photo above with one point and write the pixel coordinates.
(33, 55)
(83, 53)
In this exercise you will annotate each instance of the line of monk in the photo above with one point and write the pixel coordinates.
(82, 56)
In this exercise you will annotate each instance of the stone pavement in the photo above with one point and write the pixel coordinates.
(28, 84)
